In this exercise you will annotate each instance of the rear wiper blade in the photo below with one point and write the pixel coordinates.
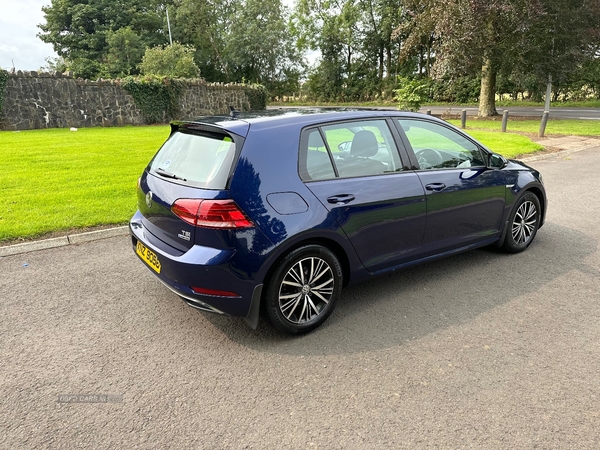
(164, 173)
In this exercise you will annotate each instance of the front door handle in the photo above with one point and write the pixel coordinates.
(435, 187)
(340, 199)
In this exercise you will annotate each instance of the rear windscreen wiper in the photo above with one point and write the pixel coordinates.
(164, 173)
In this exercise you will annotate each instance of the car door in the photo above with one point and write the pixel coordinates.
(355, 170)
(465, 199)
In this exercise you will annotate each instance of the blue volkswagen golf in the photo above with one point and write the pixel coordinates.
(277, 211)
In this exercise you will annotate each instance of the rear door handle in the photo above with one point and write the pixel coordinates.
(435, 187)
(340, 199)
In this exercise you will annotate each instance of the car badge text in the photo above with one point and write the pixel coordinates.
(185, 235)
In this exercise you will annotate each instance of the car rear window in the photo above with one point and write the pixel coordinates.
(201, 160)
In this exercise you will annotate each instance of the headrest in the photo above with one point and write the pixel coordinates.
(364, 144)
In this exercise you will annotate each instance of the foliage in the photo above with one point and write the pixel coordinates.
(125, 52)
(3, 80)
(359, 52)
(79, 29)
(205, 25)
(511, 38)
(175, 61)
(258, 47)
(89, 177)
(257, 97)
(462, 89)
(157, 97)
(54, 64)
(412, 93)
(508, 47)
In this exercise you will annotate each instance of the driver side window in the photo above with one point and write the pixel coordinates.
(438, 147)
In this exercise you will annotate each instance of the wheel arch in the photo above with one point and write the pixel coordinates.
(330, 244)
(541, 198)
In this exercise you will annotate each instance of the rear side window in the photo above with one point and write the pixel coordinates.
(347, 150)
(200, 160)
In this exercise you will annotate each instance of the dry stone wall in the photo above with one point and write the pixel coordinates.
(35, 100)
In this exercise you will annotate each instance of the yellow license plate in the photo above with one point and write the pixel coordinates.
(148, 256)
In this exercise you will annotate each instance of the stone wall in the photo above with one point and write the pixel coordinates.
(35, 100)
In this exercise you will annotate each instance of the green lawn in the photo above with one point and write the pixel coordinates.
(57, 179)
(507, 144)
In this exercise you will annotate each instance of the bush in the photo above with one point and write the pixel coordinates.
(412, 93)
(157, 97)
(257, 97)
(175, 61)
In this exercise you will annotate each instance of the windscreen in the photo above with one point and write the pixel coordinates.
(199, 160)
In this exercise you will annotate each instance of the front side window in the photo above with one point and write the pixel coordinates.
(200, 160)
(437, 147)
(346, 150)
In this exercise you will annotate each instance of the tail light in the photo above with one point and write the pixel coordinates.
(210, 213)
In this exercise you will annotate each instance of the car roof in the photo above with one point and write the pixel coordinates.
(238, 122)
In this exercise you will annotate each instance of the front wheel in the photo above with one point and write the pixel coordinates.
(303, 290)
(523, 223)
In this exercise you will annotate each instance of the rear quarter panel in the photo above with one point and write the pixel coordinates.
(268, 165)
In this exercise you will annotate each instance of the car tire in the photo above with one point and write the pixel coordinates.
(523, 223)
(303, 290)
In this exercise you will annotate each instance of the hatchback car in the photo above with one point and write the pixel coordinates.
(279, 210)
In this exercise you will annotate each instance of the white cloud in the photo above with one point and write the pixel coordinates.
(18, 29)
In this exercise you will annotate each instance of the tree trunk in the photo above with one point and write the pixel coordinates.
(380, 62)
(487, 96)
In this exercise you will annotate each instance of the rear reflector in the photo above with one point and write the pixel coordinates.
(210, 213)
(203, 291)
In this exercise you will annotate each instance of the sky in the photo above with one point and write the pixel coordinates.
(19, 45)
(18, 29)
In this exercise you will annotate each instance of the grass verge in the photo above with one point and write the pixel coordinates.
(55, 179)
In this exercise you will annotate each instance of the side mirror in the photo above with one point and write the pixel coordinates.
(497, 161)
(345, 146)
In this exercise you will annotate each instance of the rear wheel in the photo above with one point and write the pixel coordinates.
(303, 290)
(523, 223)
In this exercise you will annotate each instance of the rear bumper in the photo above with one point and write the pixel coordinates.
(201, 267)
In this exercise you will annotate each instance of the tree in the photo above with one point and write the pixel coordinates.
(174, 61)
(78, 29)
(501, 36)
(206, 24)
(125, 52)
(259, 48)
(563, 40)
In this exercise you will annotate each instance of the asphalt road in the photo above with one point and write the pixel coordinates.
(481, 350)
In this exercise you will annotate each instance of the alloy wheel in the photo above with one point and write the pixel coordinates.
(306, 289)
(524, 223)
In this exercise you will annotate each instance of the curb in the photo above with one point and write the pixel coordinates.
(72, 239)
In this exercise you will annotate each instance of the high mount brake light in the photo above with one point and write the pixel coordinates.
(210, 213)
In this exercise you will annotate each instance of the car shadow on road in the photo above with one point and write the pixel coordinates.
(404, 306)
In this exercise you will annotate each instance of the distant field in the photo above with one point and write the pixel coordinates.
(56, 180)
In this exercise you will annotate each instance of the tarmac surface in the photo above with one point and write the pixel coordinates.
(481, 350)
